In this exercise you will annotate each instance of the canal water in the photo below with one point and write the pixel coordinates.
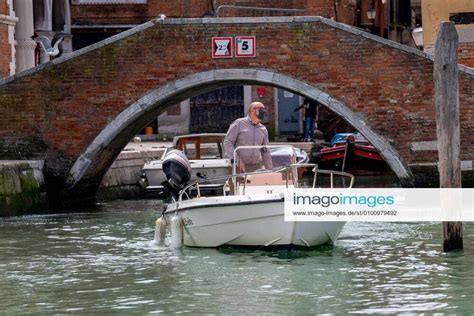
(104, 261)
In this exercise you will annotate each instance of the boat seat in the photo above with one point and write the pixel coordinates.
(266, 179)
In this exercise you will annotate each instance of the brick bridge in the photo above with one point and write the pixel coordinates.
(78, 112)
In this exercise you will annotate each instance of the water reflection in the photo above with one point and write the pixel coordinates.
(97, 262)
(292, 254)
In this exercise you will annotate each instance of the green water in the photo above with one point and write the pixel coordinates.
(104, 262)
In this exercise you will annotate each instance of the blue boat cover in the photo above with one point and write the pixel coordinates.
(340, 137)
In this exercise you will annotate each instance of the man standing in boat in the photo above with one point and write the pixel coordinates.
(249, 131)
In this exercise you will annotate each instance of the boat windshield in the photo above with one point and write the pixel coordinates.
(201, 146)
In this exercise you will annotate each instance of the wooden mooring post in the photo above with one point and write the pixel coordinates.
(445, 74)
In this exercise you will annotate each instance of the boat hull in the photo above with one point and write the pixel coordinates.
(357, 159)
(249, 221)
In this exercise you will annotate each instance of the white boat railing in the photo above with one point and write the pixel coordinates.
(292, 167)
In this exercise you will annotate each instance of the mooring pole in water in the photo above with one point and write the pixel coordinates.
(445, 75)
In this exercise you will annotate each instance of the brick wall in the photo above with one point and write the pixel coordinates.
(276, 4)
(466, 54)
(5, 48)
(57, 112)
(109, 14)
(177, 8)
(346, 12)
(323, 8)
(139, 13)
(3, 7)
(5, 51)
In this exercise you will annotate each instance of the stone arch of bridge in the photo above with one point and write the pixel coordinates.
(157, 100)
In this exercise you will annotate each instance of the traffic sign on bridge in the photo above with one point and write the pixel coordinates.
(222, 47)
(245, 46)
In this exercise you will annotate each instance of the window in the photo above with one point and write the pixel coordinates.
(462, 17)
(400, 13)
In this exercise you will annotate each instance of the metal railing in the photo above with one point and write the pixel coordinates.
(228, 6)
(286, 169)
(261, 147)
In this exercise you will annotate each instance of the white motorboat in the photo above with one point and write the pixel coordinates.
(206, 157)
(253, 215)
(205, 154)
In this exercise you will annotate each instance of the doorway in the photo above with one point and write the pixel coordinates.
(288, 119)
(214, 111)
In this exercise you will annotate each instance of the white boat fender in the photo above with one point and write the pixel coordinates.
(160, 230)
(177, 231)
(227, 187)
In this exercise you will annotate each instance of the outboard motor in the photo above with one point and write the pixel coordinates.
(177, 170)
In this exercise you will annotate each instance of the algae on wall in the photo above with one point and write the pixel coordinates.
(22, 187)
